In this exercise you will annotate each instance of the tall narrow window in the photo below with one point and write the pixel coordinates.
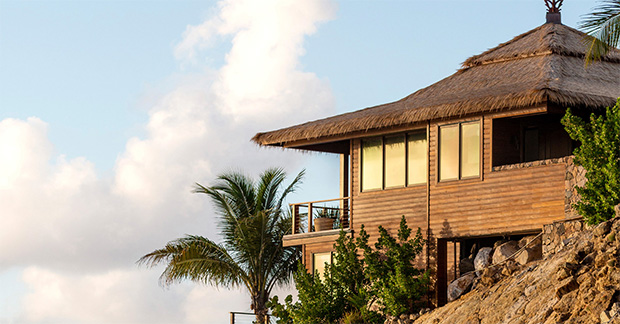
(449, 152)
(372, 164)
(459, 151)
(470, 150)
(416, 158)
(319, 260)
(395, 161)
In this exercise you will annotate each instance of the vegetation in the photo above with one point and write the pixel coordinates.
(396, 282)
(251, 254)
(599, 154)
(603, 23)
(357, 289)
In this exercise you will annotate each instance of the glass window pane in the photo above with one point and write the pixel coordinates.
(319, 260)
(417, 158)
(372, 164)
(449, 152)
(395, 161)
(470, 150)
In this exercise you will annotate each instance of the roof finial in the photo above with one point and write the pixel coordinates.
(553, 11)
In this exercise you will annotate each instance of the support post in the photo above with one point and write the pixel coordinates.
(310, 218)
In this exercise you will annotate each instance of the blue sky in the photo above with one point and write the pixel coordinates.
(111, 110)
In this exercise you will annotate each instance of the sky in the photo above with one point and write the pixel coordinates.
(110, 111)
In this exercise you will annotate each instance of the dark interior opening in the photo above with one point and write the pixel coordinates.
(531, 138)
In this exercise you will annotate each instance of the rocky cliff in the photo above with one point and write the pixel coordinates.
(580, 283)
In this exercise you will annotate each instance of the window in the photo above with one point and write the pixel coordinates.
(319, 260)
(416, 158)
(394, 161)
(372, 164)
(459, 151)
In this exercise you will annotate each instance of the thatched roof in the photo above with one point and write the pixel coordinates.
(544, 65)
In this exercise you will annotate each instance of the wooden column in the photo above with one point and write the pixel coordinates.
(441, 286)
(344, 189)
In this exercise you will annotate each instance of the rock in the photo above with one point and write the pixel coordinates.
(509, 268)
(466, 265)
(528, 239)
(602, 229)
(567, 285)
(529, 290)
(489, 276)
(498, 243)
(605, 317)
(529, 254)
(460, 286)
(614, 310)
(504, 251)
(611, 237)
(483, 258)
(413, 317)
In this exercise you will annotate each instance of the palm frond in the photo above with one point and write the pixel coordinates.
(291, 188)
(603, 23)
(196, 258)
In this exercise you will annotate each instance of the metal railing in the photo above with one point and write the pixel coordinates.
(305, 214)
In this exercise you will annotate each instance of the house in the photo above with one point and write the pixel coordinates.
(476, 157)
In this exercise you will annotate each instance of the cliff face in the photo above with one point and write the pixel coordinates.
(578, 284)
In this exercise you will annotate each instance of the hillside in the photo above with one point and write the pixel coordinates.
(579, 284)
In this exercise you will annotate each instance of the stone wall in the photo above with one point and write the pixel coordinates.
(558, 234)
(575, 177)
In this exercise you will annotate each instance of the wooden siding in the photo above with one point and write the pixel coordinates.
(310, 249)
(499, 202)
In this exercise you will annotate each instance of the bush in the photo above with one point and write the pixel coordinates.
(599, 154)
(385, 276)
(396, 282)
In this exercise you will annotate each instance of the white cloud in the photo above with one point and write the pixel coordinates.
(78, 234)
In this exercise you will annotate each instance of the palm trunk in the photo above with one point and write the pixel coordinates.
(260, 310)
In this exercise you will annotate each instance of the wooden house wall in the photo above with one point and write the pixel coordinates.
(499, 202)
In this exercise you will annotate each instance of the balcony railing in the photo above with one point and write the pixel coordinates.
(306, 213)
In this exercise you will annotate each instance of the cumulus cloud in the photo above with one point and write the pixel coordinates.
(77, 234)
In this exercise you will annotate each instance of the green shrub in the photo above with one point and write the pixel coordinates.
(599, 154)
(385, 276)
(396, 282)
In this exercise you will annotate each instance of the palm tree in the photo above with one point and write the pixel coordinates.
(603, 23)
(251, 254)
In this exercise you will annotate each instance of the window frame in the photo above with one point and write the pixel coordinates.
(405, 136)
(459, 125)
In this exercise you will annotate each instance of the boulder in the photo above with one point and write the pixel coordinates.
(460, 286)
(504, 251)
(529, 255)
(528, 239)
(466, 265)
(483, 258)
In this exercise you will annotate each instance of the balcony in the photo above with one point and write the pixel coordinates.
(318, 221)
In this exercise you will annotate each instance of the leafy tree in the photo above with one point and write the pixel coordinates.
(385, 276)
(603, 23)
(599, 154)
(397, 283)
(251, 254)
(341, 289)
